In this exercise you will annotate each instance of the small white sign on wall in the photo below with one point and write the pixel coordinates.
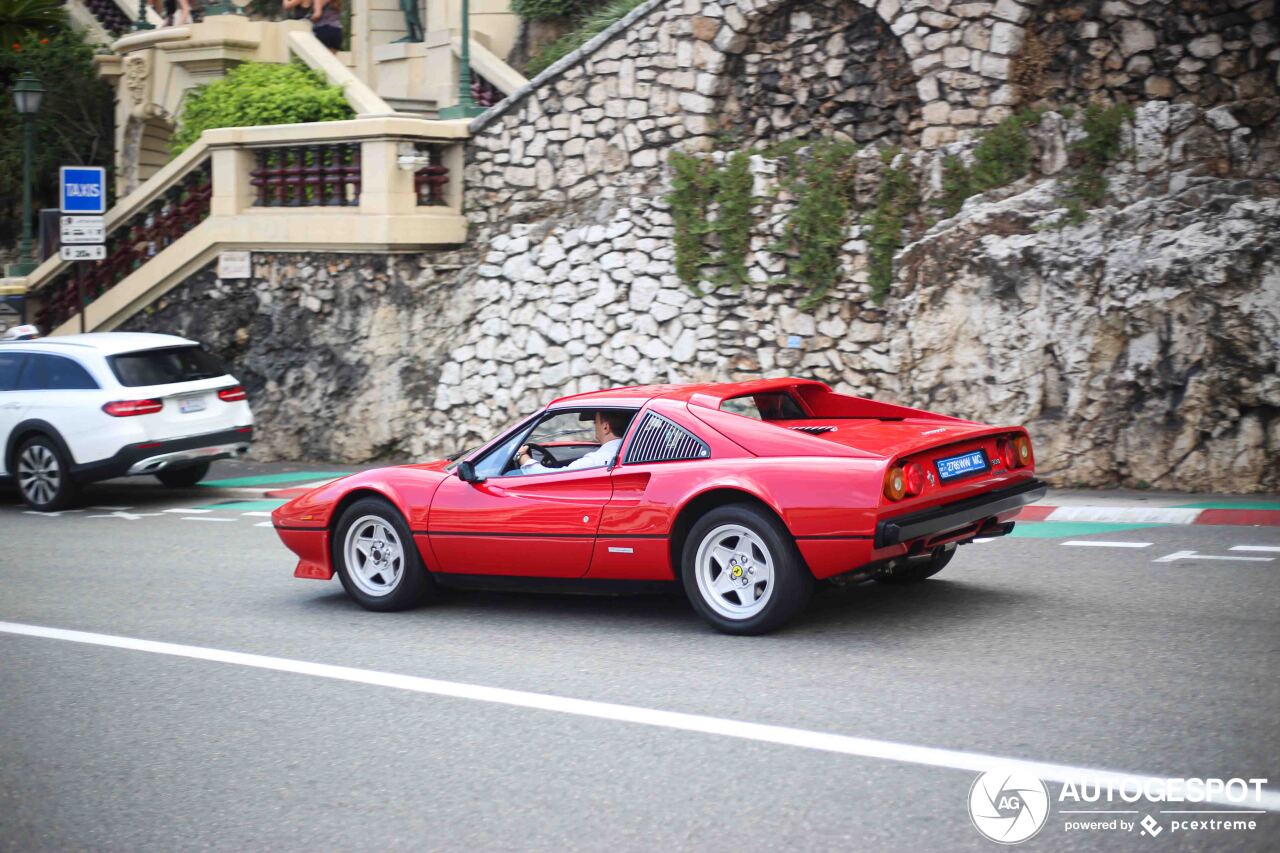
(235, 264)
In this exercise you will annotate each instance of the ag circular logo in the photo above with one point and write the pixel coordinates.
(1008, 806)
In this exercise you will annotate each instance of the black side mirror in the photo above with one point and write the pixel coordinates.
(467, 473)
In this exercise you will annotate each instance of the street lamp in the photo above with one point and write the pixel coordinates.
(27, 95)
(466, 107)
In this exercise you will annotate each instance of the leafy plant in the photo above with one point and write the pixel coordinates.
(734, 223)
(540, 10)
(1100, 145)
(698, 186)
(819, 223)
(589, 26)
(22, 18)
(259, 93)
(73, 126)
(1002, 155)
(693, 185)
(895, 199)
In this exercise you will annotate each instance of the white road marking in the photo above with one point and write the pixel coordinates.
(202, 518)
(111, 508)
(1125, 514)
(50, 514)
(257, 514)
(1192, 555)
(1266, 548)
(987, 539)
(181, 510)
(127, 516)
(782, 735)
(264, 524)
(1085, 543)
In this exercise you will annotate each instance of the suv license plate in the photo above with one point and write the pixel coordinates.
(187, 405)
(955, 467)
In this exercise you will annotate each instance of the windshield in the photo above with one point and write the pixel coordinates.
(165, 366)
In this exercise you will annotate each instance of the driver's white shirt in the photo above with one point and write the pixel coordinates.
(597, 458)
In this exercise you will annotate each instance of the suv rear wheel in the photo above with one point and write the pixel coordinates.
(44, 475)
(180, 478)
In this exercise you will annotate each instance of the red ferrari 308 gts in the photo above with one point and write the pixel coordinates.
(747, 494)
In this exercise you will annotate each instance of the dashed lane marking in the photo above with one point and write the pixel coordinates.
(1271, 549)
(50, 514)
(1084, 543)
(1192, 555)
(127, 516)
(861, 747)
(206, 518)
(187, 510)
(257, 514)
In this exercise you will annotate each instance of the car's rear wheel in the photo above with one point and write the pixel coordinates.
(916, 570)
(181, 478)
(742, 571)
(44, 475)
(376, 559)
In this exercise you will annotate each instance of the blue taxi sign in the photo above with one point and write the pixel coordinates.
(83, 189)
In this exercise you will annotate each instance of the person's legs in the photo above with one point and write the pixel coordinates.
(330, 37)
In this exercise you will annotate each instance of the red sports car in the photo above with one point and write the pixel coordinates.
(747, 494)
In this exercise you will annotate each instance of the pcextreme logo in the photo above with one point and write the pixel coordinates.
(1011, 805)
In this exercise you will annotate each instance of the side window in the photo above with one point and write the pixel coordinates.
(659, 440)
(10, 367)
(55, 373)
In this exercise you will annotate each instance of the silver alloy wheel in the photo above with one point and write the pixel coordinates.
(734, 570)
(39, 475)
(374, 555)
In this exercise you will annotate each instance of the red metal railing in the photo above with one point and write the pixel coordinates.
(130, 244)
(317, 175)
(430, 180)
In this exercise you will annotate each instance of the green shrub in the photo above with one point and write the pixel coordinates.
(539, 10)
(696, 185)
(883, 226)
(591, 25)
(256, 94)
(818, 225)
(1101, 145)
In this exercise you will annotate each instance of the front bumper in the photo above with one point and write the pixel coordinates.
(955, 516)
(150, 457)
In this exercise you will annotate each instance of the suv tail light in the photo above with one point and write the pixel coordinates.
(129, 408)
(230, 395)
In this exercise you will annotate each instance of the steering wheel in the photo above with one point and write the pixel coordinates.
(541, 455)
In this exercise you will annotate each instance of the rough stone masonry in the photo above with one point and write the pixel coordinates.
(1140, 346)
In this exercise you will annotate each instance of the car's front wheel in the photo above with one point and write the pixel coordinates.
(181, 478)
(376, 560)
(742, 571)
(44, 475)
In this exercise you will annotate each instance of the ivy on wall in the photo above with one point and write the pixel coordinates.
(699, 189)
(818, 226)
(895, 200)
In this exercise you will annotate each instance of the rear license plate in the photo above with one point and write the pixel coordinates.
(187, 405)
(964, 465)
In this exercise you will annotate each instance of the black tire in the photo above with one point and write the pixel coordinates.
(409, 586)
(43, 474)
(791, 581)
(914, 571)
(181, 478)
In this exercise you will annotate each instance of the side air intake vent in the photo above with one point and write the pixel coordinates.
(659, 440)
(814, 430)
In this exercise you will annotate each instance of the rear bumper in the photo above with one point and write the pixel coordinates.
(954, 516)
(150, 457)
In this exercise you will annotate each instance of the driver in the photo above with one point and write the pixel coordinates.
(610, 427)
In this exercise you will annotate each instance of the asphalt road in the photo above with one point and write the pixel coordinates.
(1023, 648)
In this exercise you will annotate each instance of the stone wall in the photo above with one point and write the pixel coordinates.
(1205, 52)
(1141, 346)
(831, 67)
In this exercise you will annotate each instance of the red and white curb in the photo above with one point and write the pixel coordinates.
(1151, 515)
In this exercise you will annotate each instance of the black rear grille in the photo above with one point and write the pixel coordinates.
(814, 430)
(659, 440)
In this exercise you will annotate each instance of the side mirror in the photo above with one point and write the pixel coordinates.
(467, 473)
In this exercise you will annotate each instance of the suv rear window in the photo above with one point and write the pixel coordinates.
(163, 366)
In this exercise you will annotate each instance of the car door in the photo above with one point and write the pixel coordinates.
(531, 525)
(61, 392)
(538, 525)
(12, 401)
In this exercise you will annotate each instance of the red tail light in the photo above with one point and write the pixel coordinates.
(230, 395)
(913, 478)
(1005, 448)
(895, 484)
(129, 408)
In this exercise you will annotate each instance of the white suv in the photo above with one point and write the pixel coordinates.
(80, 408)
